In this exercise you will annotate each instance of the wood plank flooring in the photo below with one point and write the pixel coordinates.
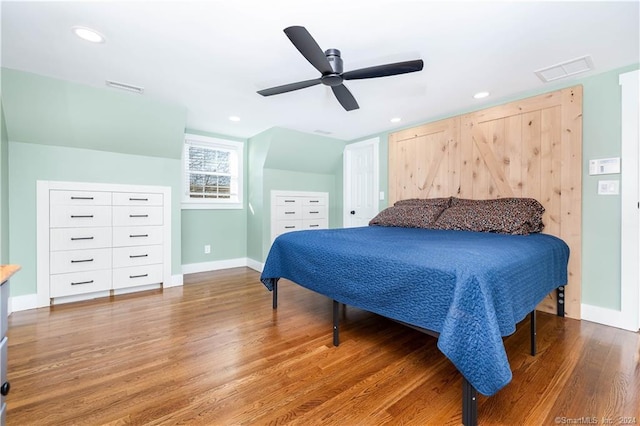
(215, 353)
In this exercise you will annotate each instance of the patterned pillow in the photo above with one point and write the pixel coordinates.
(517, 216)
(407, 216)
(436, 202)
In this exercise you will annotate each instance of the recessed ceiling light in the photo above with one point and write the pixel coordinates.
(481, 95)
(234, 118)
(395, 119)
(88, 34)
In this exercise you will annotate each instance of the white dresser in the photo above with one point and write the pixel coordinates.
(294, 210)
(100, 239)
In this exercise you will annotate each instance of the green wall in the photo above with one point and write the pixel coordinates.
(32, 162)
(601, 278)
(258, 148)
(288, 160)
(225, 230)
(49, 111)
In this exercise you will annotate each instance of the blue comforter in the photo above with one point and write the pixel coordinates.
(470, 287)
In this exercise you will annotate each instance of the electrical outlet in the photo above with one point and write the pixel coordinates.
(207, 249)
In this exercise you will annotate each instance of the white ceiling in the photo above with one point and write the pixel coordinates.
(212, 56)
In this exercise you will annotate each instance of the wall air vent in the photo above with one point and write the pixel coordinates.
(124, 86)
(565, 69)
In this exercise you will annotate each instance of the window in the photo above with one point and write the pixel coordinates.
(212, 173)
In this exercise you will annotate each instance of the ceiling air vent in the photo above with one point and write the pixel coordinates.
(565, 69)
(124, 86)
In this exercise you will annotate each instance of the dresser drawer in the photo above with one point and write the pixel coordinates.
(283, 226)
(79, 238)
(137, 215)
(314, 212)
(79, 198)
(314, 201)
(61, 285)
(136, 199)
(137, 275)
(79, 260)
(289, 212)
(137, 255)
(315, 224)
(79, 216)
(287, 201)
(137, 236)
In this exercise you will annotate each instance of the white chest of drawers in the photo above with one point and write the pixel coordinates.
(292, 211)
(99, 239)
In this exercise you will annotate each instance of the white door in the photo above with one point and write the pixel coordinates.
(361, 182)
(630, 201)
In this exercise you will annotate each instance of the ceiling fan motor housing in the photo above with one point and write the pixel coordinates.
(334, 78)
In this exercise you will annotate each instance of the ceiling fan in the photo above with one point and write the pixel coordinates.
(329, 63)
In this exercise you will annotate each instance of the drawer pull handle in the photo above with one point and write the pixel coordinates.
(76, 216)
(314, 201)
(83, 282)
(138, 235)
(289, 201)
(138, 199)
(82, 198)
(83, 260)
(138, 276)
(314, 212)
(81, 238)
(289, 212)
(138, 215)
(289, 227)
(133, 256)
(5, 388)
(313, 226)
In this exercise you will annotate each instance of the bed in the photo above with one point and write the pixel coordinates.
(468, 288)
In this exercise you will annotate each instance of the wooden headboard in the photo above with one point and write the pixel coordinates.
(528, 148)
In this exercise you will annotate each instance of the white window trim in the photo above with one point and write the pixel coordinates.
(213, 204)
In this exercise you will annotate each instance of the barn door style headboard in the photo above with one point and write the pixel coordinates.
(528, 148)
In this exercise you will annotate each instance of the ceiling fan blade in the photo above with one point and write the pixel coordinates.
(384, 70)
(345, 97)
(303, 41)
(289, 87)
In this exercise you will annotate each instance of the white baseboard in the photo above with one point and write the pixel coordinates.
(176, 280)
(193, 268)
(22, 303)
(255, 265)
(606, 316)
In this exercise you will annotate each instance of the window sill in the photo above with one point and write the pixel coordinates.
(188, 205)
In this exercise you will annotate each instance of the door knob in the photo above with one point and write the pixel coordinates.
(353, 212)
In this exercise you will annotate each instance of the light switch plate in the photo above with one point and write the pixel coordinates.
(608, 187)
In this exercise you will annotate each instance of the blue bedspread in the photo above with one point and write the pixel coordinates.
(470, 287)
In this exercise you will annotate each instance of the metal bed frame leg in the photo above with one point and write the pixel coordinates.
(275, 296)
(560, 301)
(533, 333)
(469, 404)
(336, 320)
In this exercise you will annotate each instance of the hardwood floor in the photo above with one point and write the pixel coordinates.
(215, 353)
